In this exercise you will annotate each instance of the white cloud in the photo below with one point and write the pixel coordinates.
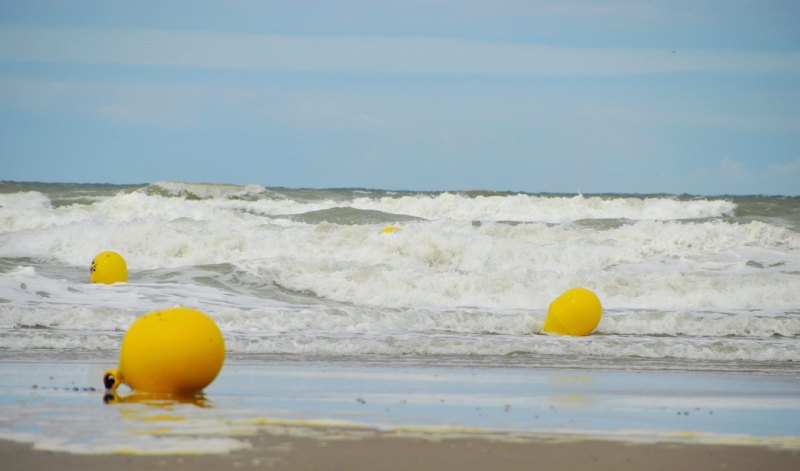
(183, 106)
(325, 112)
(736, 177)
(780, 178)
(157, 105)
(789, 171)
(404, 55)
(616, 11)
(731, 169)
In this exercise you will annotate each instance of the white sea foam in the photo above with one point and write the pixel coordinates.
(352, 330)
(667, 268)
(454, 206)
(522, 207)
(671, 264)
(14, 203)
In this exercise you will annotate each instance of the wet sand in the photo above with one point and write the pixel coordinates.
(297, 415)
(388, 451)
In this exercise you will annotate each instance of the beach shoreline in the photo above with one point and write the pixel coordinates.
(374, 449)
(345, 415)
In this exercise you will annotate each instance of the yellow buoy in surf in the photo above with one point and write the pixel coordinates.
(109, 267)
(576, 312)
(389, 229)
(178, 350)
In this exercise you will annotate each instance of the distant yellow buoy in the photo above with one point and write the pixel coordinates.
(109, 267)
(389, 229)
(576, 312)
(178, 350)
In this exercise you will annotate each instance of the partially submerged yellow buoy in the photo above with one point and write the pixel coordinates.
(576, 312)
(109, 267)
(389, 229)
(178, 350)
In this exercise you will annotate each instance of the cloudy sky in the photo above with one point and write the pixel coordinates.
(620, 96)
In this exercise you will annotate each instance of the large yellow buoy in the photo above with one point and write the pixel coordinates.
(109, 267)
(178, 350)
(576, 312)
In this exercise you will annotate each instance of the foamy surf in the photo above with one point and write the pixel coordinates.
(470, 274)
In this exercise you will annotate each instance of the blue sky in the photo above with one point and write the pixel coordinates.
(697, 97)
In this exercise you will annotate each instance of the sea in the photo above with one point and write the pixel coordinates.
(369, 276)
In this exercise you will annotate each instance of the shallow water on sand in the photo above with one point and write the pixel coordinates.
(58, 406)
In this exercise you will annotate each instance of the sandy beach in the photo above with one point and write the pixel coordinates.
(387, 451)
(340, 415)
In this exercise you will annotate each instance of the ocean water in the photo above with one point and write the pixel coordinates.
(706, 283)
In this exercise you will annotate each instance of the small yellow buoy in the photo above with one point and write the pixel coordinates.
(109, 267)
(389, 229)
(576, 312)
(178, 350)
